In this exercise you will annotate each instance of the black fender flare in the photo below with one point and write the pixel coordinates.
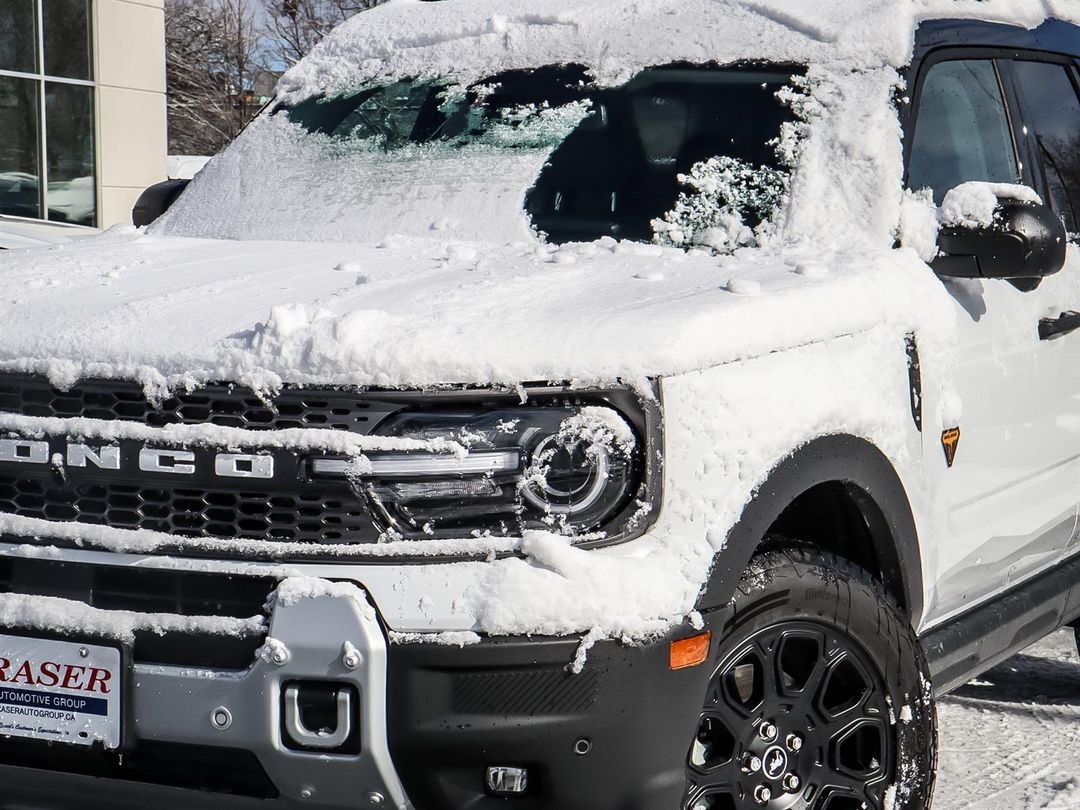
(880, 497)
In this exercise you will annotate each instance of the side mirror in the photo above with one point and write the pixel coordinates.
(156, 200)
(1025, 241)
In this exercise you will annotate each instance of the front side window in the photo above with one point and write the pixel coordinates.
(1052, 108)
(962, 131)
(684, 155)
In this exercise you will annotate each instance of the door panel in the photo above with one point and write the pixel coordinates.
(1007, 508)
(1048, 95)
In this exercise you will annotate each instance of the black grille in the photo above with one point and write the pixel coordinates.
(144, 590)
(225, 405)
(290, 507)
(308, 517)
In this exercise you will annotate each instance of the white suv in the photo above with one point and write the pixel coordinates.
(589, 406)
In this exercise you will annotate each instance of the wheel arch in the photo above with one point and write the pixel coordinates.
(848, 496)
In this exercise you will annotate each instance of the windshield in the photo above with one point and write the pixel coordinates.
(682, 154)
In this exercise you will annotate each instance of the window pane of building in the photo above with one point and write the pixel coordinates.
(17, 39)
(69, 122)
(66, 30)
(19, 183)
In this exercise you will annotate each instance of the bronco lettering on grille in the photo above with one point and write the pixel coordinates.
(150, 459)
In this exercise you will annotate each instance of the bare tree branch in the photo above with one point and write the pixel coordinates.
(294, 27)
(220, 51)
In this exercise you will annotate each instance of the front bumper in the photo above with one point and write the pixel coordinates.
(431, 719)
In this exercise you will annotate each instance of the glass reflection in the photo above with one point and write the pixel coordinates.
(69, 122)
(19, 174)
(17, 38)
(66, 31)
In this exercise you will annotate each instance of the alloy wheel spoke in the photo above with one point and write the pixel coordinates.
(717, 796)
(795, 706)
(837, 785)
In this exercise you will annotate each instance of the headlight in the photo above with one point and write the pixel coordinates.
(581, 468)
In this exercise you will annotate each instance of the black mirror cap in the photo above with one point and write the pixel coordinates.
(156, 200)
(1027, 241)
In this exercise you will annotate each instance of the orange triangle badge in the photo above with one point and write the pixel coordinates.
(950, 439)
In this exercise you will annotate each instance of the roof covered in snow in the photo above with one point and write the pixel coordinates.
(615, 38)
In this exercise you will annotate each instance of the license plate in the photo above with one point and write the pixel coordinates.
(63, 691)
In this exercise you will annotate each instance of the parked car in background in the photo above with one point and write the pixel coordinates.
(23, 232)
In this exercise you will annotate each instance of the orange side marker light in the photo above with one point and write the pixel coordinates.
(690, 652)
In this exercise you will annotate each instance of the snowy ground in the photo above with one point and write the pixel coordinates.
(1010, 740)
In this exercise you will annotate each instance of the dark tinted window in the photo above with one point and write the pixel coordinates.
(962, 129)
(66, 30)
(1052, 109)
(18, 37)
(20, 187)
(69, 121)
(47, 115)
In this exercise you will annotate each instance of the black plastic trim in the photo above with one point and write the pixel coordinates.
(974, 642)
(200, 769)
(878, 492)
(452, 712)
(914, 380)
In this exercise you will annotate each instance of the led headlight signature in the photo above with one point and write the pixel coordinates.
(567, 468)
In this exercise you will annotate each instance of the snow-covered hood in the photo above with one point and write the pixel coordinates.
(422, 312)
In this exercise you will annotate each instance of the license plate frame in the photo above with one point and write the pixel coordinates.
(87, 730)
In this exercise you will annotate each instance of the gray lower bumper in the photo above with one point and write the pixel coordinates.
(311, 636)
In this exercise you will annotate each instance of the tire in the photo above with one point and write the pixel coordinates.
(820, 696)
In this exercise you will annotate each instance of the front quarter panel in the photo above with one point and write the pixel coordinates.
(838, 409)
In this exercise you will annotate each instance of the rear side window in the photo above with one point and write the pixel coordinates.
(962, 129)
(1052, 108)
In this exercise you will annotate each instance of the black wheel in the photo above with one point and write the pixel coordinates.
(820, 698)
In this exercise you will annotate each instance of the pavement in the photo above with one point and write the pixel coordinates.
(1010, 740)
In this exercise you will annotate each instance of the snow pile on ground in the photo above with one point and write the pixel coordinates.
(1011, 738)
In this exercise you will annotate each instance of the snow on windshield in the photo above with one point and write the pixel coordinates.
(556, 153)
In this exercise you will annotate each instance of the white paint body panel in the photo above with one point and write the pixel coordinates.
(1008, 507)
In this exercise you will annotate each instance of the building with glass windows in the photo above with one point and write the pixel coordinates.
(82, 107)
